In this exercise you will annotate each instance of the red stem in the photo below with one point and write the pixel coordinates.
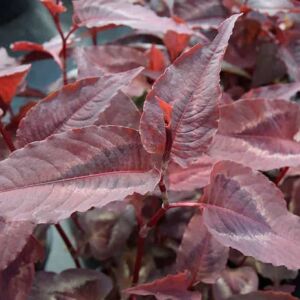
(69, 245)
(280, 176)
(139, 258)
(93, 33)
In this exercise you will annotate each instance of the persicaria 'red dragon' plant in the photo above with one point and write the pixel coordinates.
(174, 153)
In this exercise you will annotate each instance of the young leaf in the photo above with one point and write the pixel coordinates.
(76, 105)
(175, 43)
(258, 133)
(100, 60)
(171, 287)
(101, 13)
(281, 91)
(191, 86)
(14, 235)
(201, 253)
(264, 295)
(53, 7)
(76, 284)
(245, 211)
(10, 78)
(73, 171)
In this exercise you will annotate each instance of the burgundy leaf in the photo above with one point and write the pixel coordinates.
(238, 281)
(171, 287)
(76, 105)
(74, 284)
(100, 60)
(191, 86)
(101, 13)
(201, 13)
(10, 78)
(264, 295)
(283, 91)
(193, 177)
(246, 211)
(106, 229)
(47, 181)
(259, 133)
(17, 278)
(201, 253)
(14, 235)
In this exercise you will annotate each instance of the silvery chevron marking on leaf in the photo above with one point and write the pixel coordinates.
(246, 211)
(73, 171)
(191, 86)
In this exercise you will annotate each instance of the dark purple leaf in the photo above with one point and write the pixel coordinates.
(17, 278)
(191, 86)
(106, 230)
(246, 211)
(47, 181)
(171, 287)
(259, 133)
(201, 253)
(72, 284)
(76, 105)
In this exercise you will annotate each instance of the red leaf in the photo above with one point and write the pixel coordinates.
(14, 235)
(167, 110)
(264, 295)
(10, 79)
(238, 281)
(193, 177)
(156, 59)
(175, 43)
(74, 284)
(280, 91)
(100, 60)
(200, 253)
(247, 212)
(53, 7)
(258, 133)
(191, 86)
(50, 49)
(76, 105)
(100, 13)
(171, 287)
(49, 180)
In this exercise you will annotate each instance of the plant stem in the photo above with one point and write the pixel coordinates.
(280, 176)
(7, 138)
(144, 230)
(93, 33)
(68, 244)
